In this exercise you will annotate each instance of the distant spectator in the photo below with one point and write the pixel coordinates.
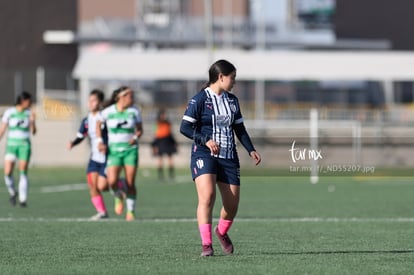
(164, 144)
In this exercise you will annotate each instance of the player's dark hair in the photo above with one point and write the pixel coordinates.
(23, 96)
(219, 67)
(99, 94)
(161, 112)
(115, 96)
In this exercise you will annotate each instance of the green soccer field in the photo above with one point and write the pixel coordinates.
(342, 225)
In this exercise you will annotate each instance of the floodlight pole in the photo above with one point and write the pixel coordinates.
(260, 28)
(140, 32)
(260, 82)
(313, 132)
(40, 84)
(84, 91)
(259, 100)
(208, 19)
(228, 11)
(18, 79)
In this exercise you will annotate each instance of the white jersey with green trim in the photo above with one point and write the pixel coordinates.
(18, 125)
(121, 126)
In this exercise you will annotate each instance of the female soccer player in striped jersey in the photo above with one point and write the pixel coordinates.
(96, 176)
(20, 121)
(210, 120)
(124, 125)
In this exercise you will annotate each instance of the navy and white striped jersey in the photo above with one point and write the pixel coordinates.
(88, 128)
(215, 117)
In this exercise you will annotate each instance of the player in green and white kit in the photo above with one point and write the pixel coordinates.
(20, 122)
(124, 124)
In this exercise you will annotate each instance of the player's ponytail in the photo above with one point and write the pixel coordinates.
(219, 67)
(23, 96)
(115, 96)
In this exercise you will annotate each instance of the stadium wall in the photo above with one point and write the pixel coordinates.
(22, 49)
(382, 146)
(376, 19)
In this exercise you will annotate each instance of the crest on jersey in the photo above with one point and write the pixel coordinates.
(22, 123)
(120, 124)
(233, 107)
(223, 120)
(209, 104)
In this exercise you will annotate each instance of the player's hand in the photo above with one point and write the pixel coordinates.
(102, 147)
(256, 157)
(69, 146)
(213, 146)
(133, 140)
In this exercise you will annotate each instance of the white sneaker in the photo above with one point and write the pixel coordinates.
(99, 216)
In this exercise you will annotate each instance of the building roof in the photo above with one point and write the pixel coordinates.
(126, 64)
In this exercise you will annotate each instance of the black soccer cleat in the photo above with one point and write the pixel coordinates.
(225, 242)
(207, 251)
(13, 199)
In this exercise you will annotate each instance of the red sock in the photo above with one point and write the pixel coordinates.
(224, 226)
(99, 204)
(205, 233)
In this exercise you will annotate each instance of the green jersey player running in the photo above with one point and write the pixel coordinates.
(124, 124)
(20, 122)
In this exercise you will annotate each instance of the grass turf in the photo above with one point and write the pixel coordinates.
(353, 228)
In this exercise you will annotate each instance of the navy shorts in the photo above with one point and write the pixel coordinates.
(226, 170)
(96, 167)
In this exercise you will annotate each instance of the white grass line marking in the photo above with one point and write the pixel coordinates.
(64, 188)
(84, 186)
(179, 220)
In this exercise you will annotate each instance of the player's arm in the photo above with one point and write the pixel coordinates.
(188, 129)
(101, 145)
(99, 132)
(80, 136)
(4, 123)
(3, 128)
(76, 141)
(189, 122)
(138, 133)
(243, 136)
(245, 140)
(32, 121)
(139, 130)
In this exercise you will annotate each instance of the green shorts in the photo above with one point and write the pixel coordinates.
(120, 158)
(20, 152)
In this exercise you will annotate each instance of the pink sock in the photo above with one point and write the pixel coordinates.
(99, 204)
(205, 233)
(224, 226)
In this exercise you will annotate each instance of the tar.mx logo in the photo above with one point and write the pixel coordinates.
(303, 154)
